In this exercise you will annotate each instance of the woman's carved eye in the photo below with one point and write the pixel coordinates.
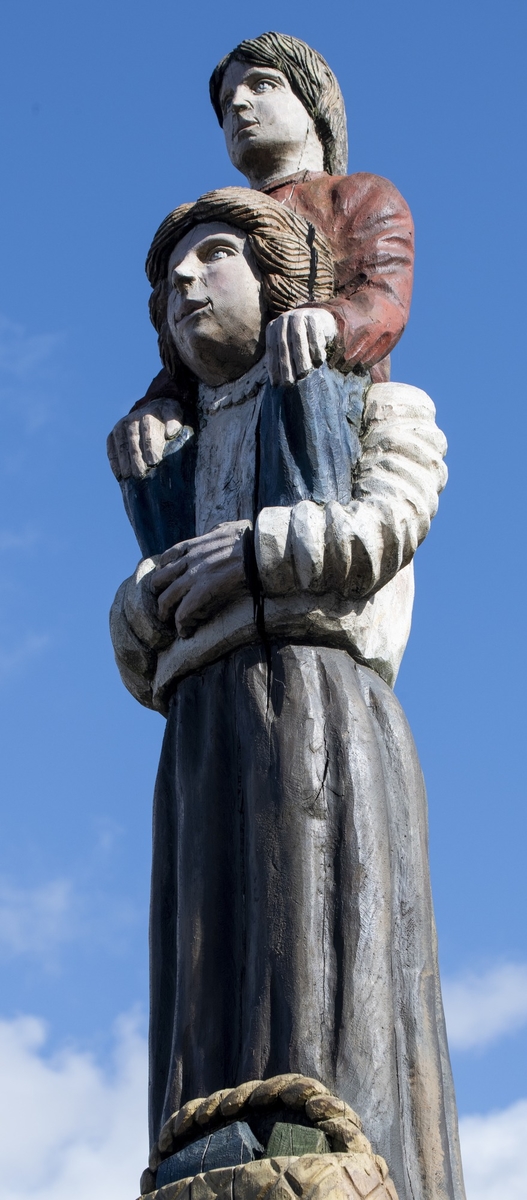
(264, 85)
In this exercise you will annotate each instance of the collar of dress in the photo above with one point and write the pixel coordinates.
(212, 399)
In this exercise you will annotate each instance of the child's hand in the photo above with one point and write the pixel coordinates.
(296, 342)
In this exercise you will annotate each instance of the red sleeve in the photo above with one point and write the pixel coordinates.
(370, 229)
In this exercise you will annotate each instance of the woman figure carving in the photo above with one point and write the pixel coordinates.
(291, 923)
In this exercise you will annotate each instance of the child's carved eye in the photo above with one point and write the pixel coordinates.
(217, 252)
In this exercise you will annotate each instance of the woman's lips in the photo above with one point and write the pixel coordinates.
(188, 308)
(246, 128)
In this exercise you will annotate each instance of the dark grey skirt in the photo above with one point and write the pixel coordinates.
(291, 922)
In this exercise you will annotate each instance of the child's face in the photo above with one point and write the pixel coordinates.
(262, 117)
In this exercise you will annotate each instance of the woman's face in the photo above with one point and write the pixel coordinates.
(215, 309)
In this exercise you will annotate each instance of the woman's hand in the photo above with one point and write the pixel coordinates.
(138, 441)
(297, 341)
(197, 578)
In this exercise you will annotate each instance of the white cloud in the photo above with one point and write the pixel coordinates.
(68, 1128)
(21, 352)
(28, 386)
(494, 1154)
(36, 920)
(17, 656)
(9, 540)
(481, 1008)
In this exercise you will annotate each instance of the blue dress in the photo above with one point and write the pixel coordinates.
(292, 926)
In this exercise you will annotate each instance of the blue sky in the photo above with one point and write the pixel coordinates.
(106, 126)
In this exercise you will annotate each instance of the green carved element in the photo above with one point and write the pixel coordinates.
(295, 1139)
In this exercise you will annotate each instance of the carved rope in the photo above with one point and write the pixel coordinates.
(333, 1116)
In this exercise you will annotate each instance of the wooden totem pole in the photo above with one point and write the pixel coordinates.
(279, 485)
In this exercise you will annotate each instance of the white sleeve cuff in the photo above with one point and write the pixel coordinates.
(140, 607)
(289, 548)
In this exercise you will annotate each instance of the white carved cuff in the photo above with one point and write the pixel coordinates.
(289, 548)
(137, 664)
(140, 607)
(308, 530)
(272, 550)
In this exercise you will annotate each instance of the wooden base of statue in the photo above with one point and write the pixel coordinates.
(349, 1170)
(313, 1176)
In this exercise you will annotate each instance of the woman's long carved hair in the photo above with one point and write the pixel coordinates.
(308, 76)
(294, 259)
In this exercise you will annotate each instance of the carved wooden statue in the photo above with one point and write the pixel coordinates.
(279, 485)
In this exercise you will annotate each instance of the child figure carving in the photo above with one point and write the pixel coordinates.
(284, 123)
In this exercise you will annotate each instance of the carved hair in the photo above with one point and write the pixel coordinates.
(293, 257)
(309, 77)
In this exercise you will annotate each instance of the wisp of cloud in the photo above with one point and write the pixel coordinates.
(481, 1008)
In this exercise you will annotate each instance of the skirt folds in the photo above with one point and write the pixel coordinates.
(291, 921)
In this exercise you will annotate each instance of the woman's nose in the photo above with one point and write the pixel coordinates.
(183, 275)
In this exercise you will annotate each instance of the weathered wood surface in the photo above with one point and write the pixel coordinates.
(290, 823)
(292, 926)
(310, 1177)
(234, 1143)
(310, 1098)
(289, 1139)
